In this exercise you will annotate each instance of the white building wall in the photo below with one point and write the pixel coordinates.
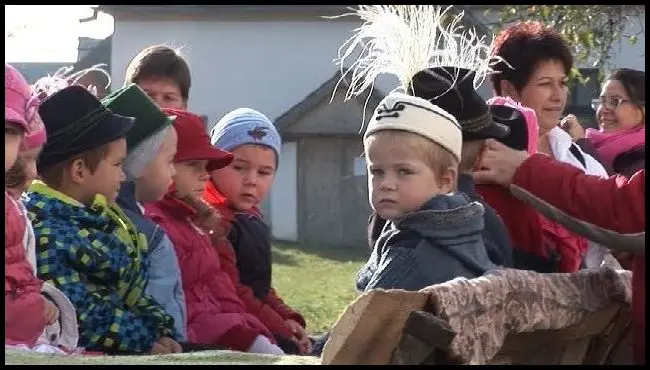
(269, 66)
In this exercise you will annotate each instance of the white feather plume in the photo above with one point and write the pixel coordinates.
(62, 78)
(404, 39)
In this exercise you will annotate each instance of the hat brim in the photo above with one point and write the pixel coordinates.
(517, 137)
(111, 128)
(216, 158)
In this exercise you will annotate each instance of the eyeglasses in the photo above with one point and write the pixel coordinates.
(610, 102)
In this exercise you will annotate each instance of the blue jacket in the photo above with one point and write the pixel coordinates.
(495, 234)
(441, 241)
(164, 274)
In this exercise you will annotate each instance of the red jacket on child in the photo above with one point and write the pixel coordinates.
(24, 304)
(271, 310)
(215, 313)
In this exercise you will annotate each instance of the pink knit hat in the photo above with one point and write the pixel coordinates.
(528, 114)
(21, 107)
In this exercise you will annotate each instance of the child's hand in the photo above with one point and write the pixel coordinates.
(50, 312)
(170, 344)
(301, 337)
(158, 349)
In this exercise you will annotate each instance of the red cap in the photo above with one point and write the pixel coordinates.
(193, 141)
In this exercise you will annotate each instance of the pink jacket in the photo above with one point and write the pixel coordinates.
(215, 314)
(24, 304)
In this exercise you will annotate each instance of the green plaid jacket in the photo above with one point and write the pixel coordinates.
(97, 258)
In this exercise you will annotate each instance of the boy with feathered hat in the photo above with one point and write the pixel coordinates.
(413, 145)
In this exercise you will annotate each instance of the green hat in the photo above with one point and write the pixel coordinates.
(131, 101)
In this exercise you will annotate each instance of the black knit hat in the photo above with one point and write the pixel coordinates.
(76, 121)
(452, 89)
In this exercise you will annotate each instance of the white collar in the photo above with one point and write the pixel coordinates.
(140, 206)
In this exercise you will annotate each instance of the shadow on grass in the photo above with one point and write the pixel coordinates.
(282, 257)
(340, 254)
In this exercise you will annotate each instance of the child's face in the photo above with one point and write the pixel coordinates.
(108, 176)
(247, 180)
(191, 177)
(159, 174)
(28, 162)
(399, 180)
(164, 91)
(13, 138)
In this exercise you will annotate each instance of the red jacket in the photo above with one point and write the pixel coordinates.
(24, 304)
(534, 237)
(215, 314)
(609, 211)
(271, 310)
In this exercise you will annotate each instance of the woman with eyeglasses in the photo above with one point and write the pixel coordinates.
(619, 143)
(620, 111)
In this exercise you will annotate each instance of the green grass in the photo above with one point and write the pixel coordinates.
(317, 281)
(15, 357)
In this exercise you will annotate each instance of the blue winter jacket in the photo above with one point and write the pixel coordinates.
(164, 283)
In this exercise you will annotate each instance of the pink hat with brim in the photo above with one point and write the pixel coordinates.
(21, 107)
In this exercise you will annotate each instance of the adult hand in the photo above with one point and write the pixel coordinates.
(571, 125)
(170, 344)
(301, 337)
(499, 164)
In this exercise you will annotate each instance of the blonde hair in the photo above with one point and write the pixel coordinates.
(469, 154)
(434, 155)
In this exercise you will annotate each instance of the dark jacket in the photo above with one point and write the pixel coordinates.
(495, 234)
(626, 163)
(440, 242)
(164, 283)
(630, 162)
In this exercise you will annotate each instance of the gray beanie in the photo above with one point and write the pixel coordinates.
(140, 156)
(245, 126)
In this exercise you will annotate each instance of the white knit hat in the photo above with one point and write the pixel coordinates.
(398, 111)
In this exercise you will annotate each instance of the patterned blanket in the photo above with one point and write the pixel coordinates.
(482, 311)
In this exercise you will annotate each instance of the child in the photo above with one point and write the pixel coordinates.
(432, 235)
(215, 314)
(64, 330)
(27, 312)
(163, 74)
(86, 246)
(236, 192)
(426, 85)
(151, 146)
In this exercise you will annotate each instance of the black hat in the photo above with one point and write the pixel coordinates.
(452, 89)
(517, 137)
(76, 121)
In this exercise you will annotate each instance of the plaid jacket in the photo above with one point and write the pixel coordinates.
(96, 257)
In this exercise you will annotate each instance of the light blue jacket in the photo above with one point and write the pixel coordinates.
(164, 283)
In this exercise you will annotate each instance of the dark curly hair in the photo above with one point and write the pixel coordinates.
(523, 45)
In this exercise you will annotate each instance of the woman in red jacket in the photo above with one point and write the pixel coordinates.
(215, 313)
(608, 211)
